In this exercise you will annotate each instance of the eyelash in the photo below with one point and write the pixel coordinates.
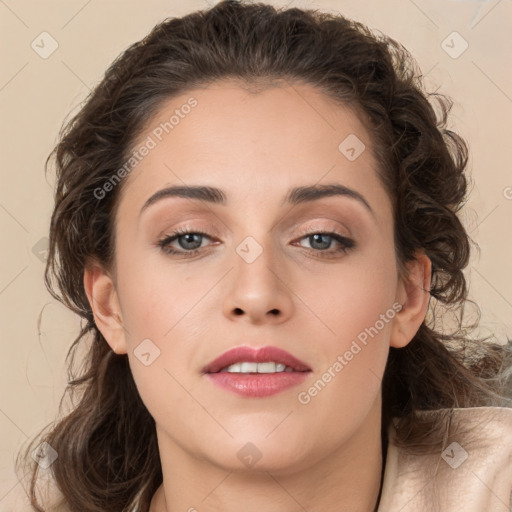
(346, 243)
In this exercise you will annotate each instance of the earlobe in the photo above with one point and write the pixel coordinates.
(104, 303)
(414, 295)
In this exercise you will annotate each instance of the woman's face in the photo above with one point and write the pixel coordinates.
(258, 277)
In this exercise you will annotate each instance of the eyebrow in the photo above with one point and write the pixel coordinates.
(295, 196)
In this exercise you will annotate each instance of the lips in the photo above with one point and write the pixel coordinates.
(255, 355)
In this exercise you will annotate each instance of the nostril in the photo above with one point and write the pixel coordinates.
(238, 311)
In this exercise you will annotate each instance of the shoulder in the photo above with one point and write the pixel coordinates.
(486, 417)
(473, 473)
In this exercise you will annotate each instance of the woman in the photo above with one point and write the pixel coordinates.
(255, 210)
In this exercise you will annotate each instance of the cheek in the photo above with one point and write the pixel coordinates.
(153, 297)
(350, 297)
(355, 313)
(352, 354)
(163, 315)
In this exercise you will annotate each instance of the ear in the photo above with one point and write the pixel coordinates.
(102, 295)
(413, 294)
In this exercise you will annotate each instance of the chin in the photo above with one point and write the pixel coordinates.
(259, 455)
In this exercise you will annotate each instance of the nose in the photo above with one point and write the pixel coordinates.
(259, 291)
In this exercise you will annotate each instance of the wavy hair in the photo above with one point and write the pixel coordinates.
(101, 465)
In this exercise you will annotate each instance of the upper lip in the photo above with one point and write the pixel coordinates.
(255, 355)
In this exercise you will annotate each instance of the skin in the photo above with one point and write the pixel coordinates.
(326, 454)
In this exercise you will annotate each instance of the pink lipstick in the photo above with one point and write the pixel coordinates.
(256, 373)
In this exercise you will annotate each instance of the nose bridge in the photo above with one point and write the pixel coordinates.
(254, 264)
(257, 288)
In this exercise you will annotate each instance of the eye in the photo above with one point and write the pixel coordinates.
(321, 242)
(189, 242)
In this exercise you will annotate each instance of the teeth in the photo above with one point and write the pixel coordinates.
(268, 367)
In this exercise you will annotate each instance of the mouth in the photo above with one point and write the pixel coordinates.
(247, 360)
(255, 368)
(256, 373)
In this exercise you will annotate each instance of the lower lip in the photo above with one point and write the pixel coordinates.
(257, 385)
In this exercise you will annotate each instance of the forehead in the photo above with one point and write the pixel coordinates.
(241, 111)
(267, 138)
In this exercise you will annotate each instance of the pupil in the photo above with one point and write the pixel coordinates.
(189, 238)
(317, 237)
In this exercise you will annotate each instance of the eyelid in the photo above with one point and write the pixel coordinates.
(211, 232)
(191, 226)
(333, 227)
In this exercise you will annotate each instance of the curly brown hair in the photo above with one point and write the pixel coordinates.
(101, 465)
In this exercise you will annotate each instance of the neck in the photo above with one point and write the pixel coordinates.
(347, 479)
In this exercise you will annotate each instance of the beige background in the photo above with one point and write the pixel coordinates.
(36, 95)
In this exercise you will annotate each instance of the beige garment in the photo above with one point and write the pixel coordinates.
(473, 473)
